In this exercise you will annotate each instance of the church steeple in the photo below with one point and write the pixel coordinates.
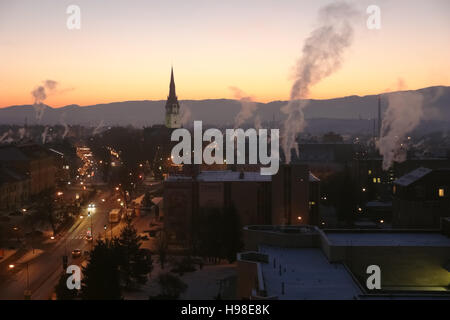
(172, 93)
(172, 105)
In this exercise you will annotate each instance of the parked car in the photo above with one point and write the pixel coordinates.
(144, 236)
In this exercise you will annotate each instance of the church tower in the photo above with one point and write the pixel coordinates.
(172, 106)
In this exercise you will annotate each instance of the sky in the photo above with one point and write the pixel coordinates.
(124, 49)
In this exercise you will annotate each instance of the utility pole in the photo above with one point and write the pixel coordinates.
(92, 231)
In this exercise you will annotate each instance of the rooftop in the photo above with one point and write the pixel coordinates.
(306, 274)
(413, 176)
(387, 238)
(228, 175)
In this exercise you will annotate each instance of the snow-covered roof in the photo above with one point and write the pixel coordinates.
(412, 177)
(313, 178)
(374, 204)
(306, 274)
(228, 175)
(387, 239)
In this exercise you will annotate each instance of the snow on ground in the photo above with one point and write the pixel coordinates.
(388, 239)
(202, 284)
(6, 253)
(30, 255)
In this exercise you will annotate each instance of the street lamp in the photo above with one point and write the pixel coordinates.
(27, 292)
(110, 227)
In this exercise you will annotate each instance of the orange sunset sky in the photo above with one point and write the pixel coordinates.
(124, 49)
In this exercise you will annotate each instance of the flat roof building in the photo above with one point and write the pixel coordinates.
(304, 262)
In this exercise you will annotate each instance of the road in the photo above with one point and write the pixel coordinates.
(45, 269)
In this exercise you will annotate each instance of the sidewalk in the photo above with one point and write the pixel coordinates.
(5, 254)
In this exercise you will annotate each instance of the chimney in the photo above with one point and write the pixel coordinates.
(379, 117)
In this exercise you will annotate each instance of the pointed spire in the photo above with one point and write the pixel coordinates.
(172, 93)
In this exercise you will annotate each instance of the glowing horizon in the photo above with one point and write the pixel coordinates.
(124, 53)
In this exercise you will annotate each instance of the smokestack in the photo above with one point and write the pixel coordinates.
(379, 117)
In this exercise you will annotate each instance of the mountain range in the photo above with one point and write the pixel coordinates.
(339, 112)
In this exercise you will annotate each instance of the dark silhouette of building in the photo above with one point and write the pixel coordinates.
(290, 197)
(421, 198)
(172, 106)
(34, 161)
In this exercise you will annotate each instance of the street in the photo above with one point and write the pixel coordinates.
(45, 268)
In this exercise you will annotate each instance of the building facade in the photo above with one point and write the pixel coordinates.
(34, 161)
(421, 198)
(257, 199)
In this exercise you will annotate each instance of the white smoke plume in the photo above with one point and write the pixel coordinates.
(248, 108)
(40, 94)
(66, 127)
(258, 124)
(4, 136)
(98, 129)
(22, 132)
(44, 135)
(322, 55)
(403, 114)
(185, 114)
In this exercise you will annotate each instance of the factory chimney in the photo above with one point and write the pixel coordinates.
(379, 117)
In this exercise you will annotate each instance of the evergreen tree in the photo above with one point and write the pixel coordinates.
(61, 290)
(134, 262)
(161, 247)
(101, 275)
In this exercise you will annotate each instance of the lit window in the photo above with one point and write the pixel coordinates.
(370, 172)
(374, 180)
(378, 180)
(441, 192)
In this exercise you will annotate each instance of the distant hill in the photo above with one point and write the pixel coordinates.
(340, 112)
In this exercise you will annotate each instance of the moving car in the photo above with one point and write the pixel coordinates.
(76, 253)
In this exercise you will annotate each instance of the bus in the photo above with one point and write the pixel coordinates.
(114, 216)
